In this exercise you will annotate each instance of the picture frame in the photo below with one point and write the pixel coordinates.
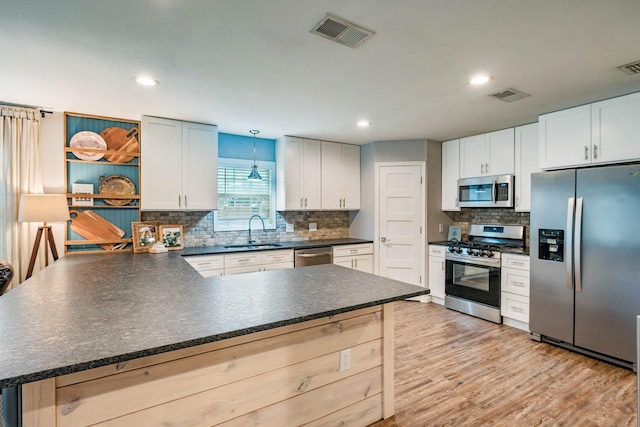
(172, 236)
(79, 188)
(144, 235)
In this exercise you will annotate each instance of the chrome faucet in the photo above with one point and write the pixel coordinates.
(264, 230)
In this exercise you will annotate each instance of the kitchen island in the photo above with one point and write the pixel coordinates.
(143, 339)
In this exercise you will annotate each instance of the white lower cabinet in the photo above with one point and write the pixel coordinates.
(249, 262)
(242, 262)
(436, 273)
(207, 265)
(358, 257)
(514, 303)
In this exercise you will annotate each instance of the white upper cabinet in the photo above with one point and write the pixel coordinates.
(487, 154)
(340, 176)
(615, 129)
(298, 164)
(565, 138)
(180, 171)
(450, 174)
(603, 132)
(526, 160)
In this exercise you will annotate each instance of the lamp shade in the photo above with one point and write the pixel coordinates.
(43, 208)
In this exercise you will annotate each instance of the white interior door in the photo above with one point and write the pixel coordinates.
(401, 221)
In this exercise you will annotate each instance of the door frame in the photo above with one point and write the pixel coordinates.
(423, 219)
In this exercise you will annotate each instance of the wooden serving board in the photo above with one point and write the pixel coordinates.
(92, 226)
(123, 140)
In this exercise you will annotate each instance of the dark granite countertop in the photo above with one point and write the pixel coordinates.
(85, 311)
(301, 244)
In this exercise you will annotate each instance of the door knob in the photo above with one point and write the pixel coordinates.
(383, 239)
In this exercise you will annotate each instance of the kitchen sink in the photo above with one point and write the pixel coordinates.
(257, 246)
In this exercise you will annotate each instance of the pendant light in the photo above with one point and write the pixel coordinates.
(254, 175)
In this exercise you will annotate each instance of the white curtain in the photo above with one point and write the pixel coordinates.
(20, 172)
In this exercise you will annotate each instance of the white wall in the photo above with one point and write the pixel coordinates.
(52, 153)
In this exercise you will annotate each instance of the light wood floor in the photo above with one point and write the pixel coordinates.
(457, 370)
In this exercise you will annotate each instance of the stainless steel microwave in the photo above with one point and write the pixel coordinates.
(486, 192)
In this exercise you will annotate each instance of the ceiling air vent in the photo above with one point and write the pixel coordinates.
(631, 69)
(509, 95)
(341, 31)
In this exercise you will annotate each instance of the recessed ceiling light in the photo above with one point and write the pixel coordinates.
(480, 79)
(364, 123)
(146, 81)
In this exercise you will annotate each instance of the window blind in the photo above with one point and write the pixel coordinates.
(239, 198)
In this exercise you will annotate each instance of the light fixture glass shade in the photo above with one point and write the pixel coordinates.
(43, 208)
(254, 175)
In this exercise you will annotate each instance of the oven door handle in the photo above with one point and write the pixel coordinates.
(487, 262)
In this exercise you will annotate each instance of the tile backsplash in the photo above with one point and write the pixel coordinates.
(198, 227)
(468, 216)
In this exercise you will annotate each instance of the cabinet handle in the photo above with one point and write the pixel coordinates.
(595, 151)
(301, 199)
(351, 263)
(456, 202)
(305, 202)
(518, 284)
(586, 152)
(442, 265)
(186, 205)
(179, 201)
(517, 263)
(244, 260)
(486, 168)
(481, 167)
(516, 309)
(356, 260)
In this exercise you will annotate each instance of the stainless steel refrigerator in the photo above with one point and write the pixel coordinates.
(585, 260)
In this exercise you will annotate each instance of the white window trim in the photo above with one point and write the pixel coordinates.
(243, 225)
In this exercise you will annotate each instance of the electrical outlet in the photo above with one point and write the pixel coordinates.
(345, 360)
(313, 226)
(440, 228)
(289, 228)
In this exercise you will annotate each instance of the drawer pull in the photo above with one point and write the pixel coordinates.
(517, 284)
(244, 260)
(517, 263)
(517, 309)
(204, 263)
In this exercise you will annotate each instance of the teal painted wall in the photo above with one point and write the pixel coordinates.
(241, 147)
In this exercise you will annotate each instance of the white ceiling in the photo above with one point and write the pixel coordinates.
(252, 64)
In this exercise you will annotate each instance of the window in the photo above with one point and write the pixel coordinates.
(239, 198)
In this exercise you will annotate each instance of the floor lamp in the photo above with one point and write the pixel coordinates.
(43, 208)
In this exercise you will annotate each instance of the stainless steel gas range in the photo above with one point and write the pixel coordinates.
(472, 280)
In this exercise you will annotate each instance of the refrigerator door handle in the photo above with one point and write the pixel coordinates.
(569, 243)
(578, 245)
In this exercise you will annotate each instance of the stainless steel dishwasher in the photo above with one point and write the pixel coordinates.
(315, 256)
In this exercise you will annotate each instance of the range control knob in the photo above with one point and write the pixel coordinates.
(488, 254)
